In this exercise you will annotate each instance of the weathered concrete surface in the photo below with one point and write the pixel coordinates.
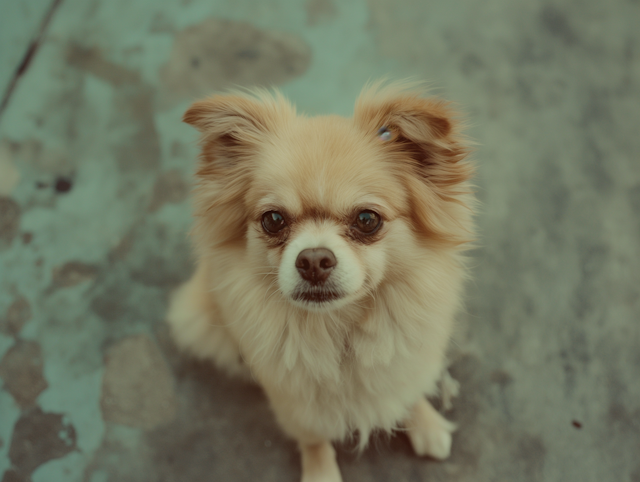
(94, 171)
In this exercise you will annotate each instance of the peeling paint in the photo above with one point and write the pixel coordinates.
(21, 370)
(18, 313)
(37, 438)
(72, 273)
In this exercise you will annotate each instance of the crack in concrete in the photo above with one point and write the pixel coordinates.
(34, 45)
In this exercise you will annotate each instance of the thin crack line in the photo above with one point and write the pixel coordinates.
(29, 54)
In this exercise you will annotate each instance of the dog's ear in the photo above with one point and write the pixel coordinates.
(420, 130)
(233, 128)
(231, 125)
(422, 136)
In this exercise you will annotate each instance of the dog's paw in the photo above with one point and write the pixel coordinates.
(429, 432)
(319, 463)
(328, 477)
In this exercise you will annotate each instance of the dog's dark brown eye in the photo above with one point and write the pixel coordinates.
(367, 222)
(273, 222)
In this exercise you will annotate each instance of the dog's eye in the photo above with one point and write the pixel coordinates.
(367, 222)
(273, 222)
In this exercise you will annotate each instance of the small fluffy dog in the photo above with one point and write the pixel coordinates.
(330, 261)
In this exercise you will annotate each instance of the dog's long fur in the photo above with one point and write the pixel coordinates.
(363, 361)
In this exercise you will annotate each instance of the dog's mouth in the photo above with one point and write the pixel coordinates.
(316, 295)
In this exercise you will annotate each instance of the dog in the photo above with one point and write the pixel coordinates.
(331, 261)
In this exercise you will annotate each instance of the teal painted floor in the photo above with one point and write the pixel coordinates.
(95, 167)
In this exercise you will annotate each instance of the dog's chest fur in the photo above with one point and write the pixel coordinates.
(357, 369)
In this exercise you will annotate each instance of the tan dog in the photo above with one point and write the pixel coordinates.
(330, 262)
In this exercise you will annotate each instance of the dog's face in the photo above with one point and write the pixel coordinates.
(328, 208)
(323, 201)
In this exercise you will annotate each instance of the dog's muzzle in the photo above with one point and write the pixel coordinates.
(315, 266)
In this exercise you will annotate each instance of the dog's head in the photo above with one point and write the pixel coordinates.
(327, 206)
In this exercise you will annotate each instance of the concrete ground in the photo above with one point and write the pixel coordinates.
(94, 171)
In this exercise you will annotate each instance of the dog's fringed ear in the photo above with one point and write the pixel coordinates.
(226, 114)
(233, 128)
(232, 124)
(423, 130)
(422, 136)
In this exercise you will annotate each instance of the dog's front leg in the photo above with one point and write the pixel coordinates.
(429, 432)
(319, 463)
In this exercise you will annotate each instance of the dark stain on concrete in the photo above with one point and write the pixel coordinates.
(320, 11)
(63, 184)
(92, 61)
(18, 313)
(9, 221)
(170, 187)
(45, 163)
(39, 437)
(12, 475)
(21, 370)
(72, 273)
(216, 54)
(27, 238)
(555, 22)
(111, 303)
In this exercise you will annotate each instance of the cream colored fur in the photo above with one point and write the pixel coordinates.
(363, 362)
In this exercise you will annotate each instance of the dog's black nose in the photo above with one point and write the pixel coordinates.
(315, 265)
